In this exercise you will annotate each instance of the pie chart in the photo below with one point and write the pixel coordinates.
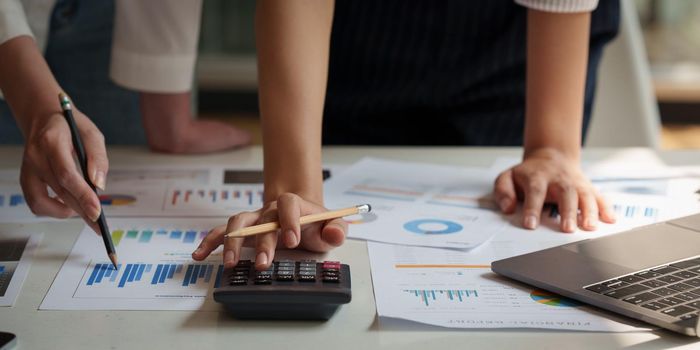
(117, 199)
(551, 299)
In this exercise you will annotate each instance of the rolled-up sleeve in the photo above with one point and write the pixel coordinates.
(560, 6)
(13, 21)
(155, 44)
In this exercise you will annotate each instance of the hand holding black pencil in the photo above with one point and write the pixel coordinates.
(82, 159)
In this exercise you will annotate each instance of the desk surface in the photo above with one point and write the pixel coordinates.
(355, 326)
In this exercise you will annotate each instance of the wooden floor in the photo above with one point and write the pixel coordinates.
(672, 136)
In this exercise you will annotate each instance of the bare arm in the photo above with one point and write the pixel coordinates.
(293, 40)
(32, 93)
(557, 56)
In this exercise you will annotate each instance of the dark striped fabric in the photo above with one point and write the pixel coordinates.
(439, 72)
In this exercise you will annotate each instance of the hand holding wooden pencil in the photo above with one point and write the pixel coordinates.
(273, 226)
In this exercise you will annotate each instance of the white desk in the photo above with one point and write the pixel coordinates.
(353, 327)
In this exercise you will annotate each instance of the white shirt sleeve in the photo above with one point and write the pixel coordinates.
(154, 48)
(560, 6)
(13, 21)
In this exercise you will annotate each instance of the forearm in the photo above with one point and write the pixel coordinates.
(557, 56)
(27, 82)
(293, 39)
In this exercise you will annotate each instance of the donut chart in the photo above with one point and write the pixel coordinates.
(116, 199)
(432, 227)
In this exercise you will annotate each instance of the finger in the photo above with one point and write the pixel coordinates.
(568, 208)
(535, 192)
(211, 241)
(607, 214)
(589, 210)
(265, 244)
(38, 199)
(96, 152)
(232, 246)
(334, 232)
(63, 167)
(504, 191)
(289, 211)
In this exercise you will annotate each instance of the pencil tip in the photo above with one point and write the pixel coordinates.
(113, 258)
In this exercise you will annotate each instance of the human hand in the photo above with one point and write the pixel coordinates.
(548, 176)
(48, 161)
(167, 120)
(287, 209)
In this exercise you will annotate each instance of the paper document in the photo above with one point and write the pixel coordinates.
(16, 253)
(417, 204)
(456, 289)
(194, 191)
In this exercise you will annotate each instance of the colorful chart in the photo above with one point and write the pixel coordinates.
(361, 218)
(451, 295)
(551, 299)
(432, 227)
(117, 199)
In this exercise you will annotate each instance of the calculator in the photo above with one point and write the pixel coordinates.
(287, 290)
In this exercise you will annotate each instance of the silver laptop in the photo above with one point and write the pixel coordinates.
(650, 273)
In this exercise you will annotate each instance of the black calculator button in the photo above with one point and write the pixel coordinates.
(285, 268)
(238, 282)
(263, 281)
(330, 274)
(285, 277)
(244, 263)
(307, 273)
(307, 278)
(285, 272)
(331, 279)
(239, 273)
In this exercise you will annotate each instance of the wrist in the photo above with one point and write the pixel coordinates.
(556, 154)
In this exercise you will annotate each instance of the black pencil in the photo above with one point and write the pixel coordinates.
(82, 159)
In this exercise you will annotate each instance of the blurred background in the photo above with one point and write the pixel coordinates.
(670, 32)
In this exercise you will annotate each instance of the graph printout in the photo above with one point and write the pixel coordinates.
(456, 289)
(156, 271)
(16, 252)
(417, 204)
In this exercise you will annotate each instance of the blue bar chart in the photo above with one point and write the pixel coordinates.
(429, 296)
(145, 236)
(151, 276)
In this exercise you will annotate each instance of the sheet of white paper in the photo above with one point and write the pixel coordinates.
(417, 204)
(157, 191)
(156, 271)
(456, 289)
(16, 253)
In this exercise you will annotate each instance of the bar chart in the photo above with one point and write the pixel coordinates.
(216, 200)
(155, 270)
(427, 296)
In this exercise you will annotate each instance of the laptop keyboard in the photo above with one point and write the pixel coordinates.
(672, 290)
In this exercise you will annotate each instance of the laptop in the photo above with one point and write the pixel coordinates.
(650, 273)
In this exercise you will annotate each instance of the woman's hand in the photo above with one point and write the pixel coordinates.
(48, 161)
(287, 209)
(548, 176)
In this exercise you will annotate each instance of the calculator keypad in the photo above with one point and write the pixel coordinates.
(285, 271)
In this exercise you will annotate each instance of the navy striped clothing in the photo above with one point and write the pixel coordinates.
(439, 72)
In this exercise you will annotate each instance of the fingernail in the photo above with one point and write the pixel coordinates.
(504, 204)
(291, 239)
(197, 251)
(530, 222)
(100, 180)
(261, 259)
(228, 257)
(93, 213)
(569, 225)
